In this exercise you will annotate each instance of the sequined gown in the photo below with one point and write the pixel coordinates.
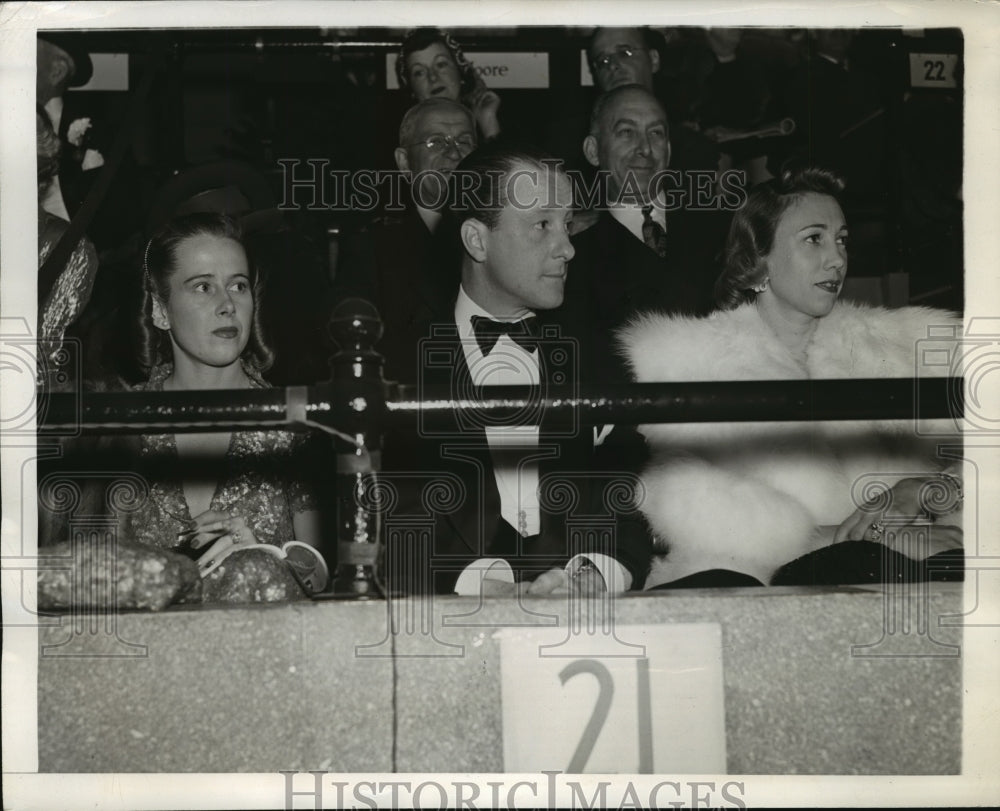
(256, 480)
(62, 303)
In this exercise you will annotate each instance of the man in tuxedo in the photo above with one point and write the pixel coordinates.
(527, 495)
(647, 250)
(402, 263)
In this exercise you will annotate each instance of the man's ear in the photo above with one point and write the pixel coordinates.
(160, 318)
(666, 160)
(475, 236)
(654, 60)
(590, 150)
(402, 159)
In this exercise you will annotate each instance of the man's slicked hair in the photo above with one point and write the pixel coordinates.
(479, 182)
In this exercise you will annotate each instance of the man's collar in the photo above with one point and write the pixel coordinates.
(630, 216)
(465, 308)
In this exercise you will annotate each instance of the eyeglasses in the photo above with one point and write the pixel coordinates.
(464, 143)
(620, 53)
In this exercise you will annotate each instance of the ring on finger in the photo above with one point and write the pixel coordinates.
(877, 530)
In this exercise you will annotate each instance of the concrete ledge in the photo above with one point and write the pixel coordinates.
(311, 686)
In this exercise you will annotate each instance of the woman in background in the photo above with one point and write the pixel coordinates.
(731, 504)
(63, 291)
(432, 65)
(199, 329)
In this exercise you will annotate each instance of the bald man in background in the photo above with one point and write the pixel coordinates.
(649, 249)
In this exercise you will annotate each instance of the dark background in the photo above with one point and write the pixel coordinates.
(263, 95)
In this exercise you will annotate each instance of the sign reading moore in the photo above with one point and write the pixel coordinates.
(518, 70)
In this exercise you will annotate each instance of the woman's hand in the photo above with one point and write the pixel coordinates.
(868, 522)
(485, 106)
(205, 528)
(220, 532)
(899, 520)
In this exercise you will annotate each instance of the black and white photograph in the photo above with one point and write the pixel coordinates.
(499, 405)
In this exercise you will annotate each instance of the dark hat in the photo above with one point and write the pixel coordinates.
(74, 45)
(225, 187)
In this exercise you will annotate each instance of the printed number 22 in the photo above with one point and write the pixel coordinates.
(605, 693)
(934, 71)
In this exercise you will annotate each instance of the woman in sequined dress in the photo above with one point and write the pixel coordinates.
(200, 329)
(64, 291)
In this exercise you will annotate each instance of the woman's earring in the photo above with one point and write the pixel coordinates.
(760, 288)
(160, 320)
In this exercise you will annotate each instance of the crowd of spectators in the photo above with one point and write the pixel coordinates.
(602, 246)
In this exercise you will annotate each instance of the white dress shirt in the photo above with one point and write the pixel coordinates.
(514, 450)
(513, 447)
(631, 216)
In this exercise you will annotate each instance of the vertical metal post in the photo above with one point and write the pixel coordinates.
(359, 401)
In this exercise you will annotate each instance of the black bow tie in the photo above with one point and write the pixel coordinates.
(488, 332)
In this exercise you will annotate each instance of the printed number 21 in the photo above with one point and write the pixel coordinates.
(605, 693)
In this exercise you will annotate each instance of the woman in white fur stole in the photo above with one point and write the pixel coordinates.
(751, 497)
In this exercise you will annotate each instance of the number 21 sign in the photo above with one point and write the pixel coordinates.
(646, 699)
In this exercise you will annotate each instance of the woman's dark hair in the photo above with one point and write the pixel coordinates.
(751, 235)
(420, 38)
(159, 263)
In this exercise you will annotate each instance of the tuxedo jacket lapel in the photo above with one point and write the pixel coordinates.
(462, 449)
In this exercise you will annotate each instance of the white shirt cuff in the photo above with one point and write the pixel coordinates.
(616, 577)
(470, 581)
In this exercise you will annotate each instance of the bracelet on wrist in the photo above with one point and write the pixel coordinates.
(959, 490)
(949, 504)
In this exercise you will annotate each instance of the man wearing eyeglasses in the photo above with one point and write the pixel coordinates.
(433, 137)
(621, 56)
(402, 264)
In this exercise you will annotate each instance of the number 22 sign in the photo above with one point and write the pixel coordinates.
(933, 70)
(647, 699)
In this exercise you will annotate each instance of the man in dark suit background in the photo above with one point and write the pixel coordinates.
(59, 66)
(63, 63)
(649, 249)
(617, 57)
(404, 264)
(527, 494)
